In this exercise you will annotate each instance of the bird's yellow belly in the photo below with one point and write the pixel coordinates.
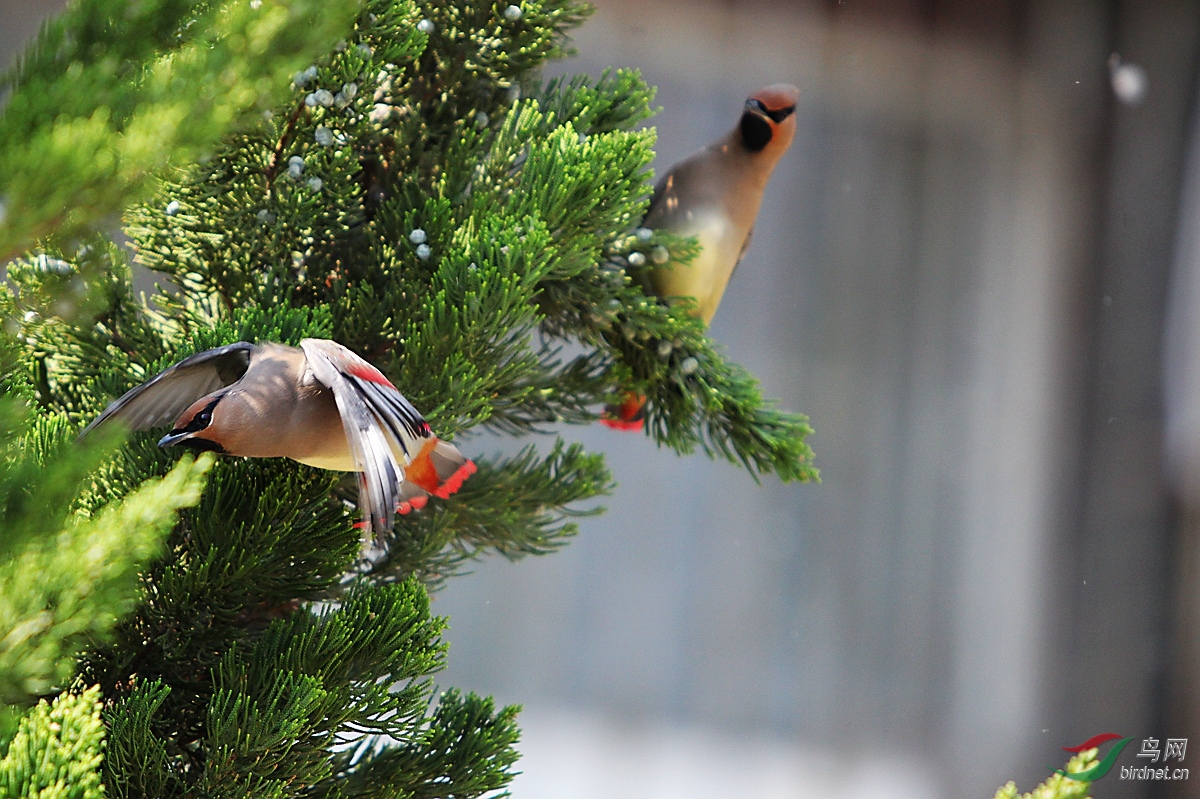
(338, 458)
(341, 462)
(706, 277)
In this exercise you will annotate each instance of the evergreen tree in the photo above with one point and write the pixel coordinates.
(417, 193)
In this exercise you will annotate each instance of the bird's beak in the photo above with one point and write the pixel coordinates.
(756, 107)
(171, 439)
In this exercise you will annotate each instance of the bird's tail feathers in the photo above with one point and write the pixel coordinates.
(438, 469)
(412, 497)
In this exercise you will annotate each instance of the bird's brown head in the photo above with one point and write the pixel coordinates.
(769, 119)
(199, 427)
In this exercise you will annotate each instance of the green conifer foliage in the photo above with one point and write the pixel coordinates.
(418, 194)
(57, 752)
(113, 90)
(1058, 786)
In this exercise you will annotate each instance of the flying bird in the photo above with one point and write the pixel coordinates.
(318, 404)
(714, 194)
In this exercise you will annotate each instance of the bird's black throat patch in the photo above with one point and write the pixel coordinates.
(756, 131)
(201, 445)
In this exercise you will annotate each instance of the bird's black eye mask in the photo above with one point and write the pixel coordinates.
(179, 436)
(776, 116)
(201, 420)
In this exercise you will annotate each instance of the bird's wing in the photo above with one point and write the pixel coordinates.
(657, 211)
(162, 398)
(378, 421)
(742, 251)
(689, 186)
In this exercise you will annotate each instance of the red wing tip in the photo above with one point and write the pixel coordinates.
(621, 424)
(455, 481)
(368, 372)
(410, 505)
(362, 525)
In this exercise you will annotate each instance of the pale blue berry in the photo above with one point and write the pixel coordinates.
(418, 236)
(172, 208)
(512, 13)
(347, 94)
(54, 266)
(423, 252)
(425, 26)
(381, 113)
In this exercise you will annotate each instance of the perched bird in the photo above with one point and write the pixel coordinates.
(714, 195)
(320, 404)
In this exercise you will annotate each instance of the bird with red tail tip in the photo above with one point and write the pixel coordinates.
(714, 195)
(318, 404)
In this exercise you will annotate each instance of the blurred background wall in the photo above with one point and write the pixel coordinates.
(967, 272)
